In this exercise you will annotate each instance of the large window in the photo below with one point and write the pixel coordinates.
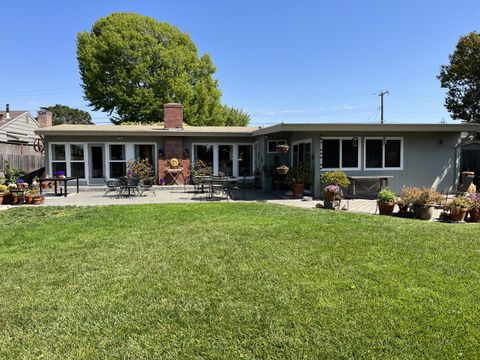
(383, 153)
(118, 163)
(340, 153)
(229, 159)
(69, 158)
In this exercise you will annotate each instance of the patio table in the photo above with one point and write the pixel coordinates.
(224, 182)
(56, 180)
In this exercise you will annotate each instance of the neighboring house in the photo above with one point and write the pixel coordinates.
(426, 155)
(17, 137)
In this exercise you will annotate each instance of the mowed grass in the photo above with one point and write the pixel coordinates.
(235, 281)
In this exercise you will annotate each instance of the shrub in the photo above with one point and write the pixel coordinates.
(201, 168)
(386, 196)
(337, 177)
(409, 194)
(300, 174)
(427, 197)
(3, 188)
(12, 174)
(474, 200)
(141, 168)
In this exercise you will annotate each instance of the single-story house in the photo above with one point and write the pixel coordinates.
(426, 155)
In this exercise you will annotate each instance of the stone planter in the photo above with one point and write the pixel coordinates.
(385, 208)
(458, 214)
(475, 215)
(423, 212)
(297, 189)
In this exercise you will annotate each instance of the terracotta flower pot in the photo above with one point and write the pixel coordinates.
(14, 199)
(423, 212)
(6, 199)
(1, 197)
(28, 199)
(297, 189)
(37, 200)
(475, 215)
(329, 196)
(458, 214)
(385, 208)
(277, 184)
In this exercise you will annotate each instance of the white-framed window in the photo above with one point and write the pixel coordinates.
(340, 153)
(272, 145)
(383, 153)
(302, 152)
(117, 160)
(69, 158)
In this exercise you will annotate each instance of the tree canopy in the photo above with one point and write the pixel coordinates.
(461, 78)
(131, 65)
(63, 114)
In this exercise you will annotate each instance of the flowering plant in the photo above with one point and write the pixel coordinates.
(332, 189)
(59, 172)
(20, 181)
(474, 200)
(162, 181)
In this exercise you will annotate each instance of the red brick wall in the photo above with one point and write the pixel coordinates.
(45, 119)
(163, 164)
(174, 149)
(173, 115)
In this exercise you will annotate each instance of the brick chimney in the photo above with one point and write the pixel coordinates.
(45, 118)
(173, 115)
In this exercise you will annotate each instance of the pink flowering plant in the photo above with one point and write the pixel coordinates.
(332, 189)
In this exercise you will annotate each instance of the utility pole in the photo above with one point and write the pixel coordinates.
(381, 93)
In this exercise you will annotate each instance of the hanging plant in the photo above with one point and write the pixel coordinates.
(282, 170)
(282, 148)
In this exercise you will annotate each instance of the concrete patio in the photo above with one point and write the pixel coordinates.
(95, 196)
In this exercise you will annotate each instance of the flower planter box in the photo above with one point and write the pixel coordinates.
(385, 208)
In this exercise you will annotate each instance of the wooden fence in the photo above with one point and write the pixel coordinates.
(21, 156)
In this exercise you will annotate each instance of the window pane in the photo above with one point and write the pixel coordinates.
(272, 146)
(144, 152)
(58, 152)
(374, 153)
(392, 153)
(331, 154)
(117, 152)
(245, 162)
(76, 152)
(308, 153)
(117, 169)
(78, 169)
(225, 159)
(59, 166)
(295, 154)
(349, 154)
(204, 153)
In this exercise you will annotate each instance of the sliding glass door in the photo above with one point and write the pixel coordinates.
(228, 159)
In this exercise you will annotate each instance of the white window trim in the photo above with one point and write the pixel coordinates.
(298, 142)
(235, 167)
(340, 138)
(68, 160)
(383, 168)
(276, 140)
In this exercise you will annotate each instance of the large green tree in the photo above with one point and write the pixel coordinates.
(131, 65)
(63, 114)
(461, 78)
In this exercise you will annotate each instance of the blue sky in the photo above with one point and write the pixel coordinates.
(303, 61)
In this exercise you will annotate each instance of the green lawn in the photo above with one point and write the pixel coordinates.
(235, 281)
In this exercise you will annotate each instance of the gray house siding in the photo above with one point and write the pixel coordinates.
(20, 129)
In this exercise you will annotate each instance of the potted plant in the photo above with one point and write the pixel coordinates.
(407, 197)
(3, 192)
(60, 174)
(282, 148)
(424, 202)
(21, 184)
(331, 191)
(29, 195)
(337, 178)
(298, 176)
(474, 207)
(38, 199)
(386, 201)
(459, 207)
(282, 170)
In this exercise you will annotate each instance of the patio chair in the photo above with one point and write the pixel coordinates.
(112, 186)
(144, 186)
